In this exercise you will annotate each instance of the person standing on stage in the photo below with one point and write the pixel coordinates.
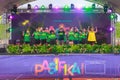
(36, 36)
(61, 34)
(84, 36)
(91, 35)
(27, 37)
(52, 37)
(40, 32)
(76, 36)
(43, 37)
(71, 36)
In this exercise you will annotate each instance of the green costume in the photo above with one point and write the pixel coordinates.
(52, 36)
(26, 37)
(36, 35)
(84, 35)
(48, 37)
(43, 35)
(76, 35)
(71, 36)
(61, 35)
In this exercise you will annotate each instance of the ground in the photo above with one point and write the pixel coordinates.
(117, 30)
(3, 33)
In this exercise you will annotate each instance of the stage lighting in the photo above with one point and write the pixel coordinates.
(66, 8)
(50, 6)
(14, 9)
(36, 7)
(9, 30)
(111, 29)
(87, 9)
(110, 10)
(78, 8)
(56, 7)
(112, 16)
(42, 7)
(10, 17)
(72, 6)
(29, 7)
(105, 8)
(93, 6)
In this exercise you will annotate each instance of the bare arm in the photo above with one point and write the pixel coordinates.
(23, 33)
(88, 28)
(96, 30)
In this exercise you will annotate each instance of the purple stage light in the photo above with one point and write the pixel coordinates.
(56, 7)
(78, 8)
(110, 11)
(36, 7)
(111, 29)
(10, 17)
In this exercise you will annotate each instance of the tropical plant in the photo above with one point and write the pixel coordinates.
(62, 49)
(26, 48)
(13, 49)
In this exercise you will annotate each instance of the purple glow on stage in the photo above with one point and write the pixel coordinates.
(10, 17)
(78, 8)
(56, 7)
(110, 11)
(36, 7)
(111, 29)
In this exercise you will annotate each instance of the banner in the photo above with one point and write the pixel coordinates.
(54, 66)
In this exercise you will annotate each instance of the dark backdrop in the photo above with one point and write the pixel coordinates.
(100, 20)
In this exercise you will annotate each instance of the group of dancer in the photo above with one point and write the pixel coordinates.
(61, 36)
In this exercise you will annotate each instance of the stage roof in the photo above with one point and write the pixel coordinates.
(7, 4)
(115, 4)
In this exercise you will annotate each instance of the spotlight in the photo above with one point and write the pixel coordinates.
(29, 7)
(10, 17)
(36, 7)
(112, 16)
(56, 7)
(50, 6)
(72, 6)
(105, 8)
(42, 7)
(78, 8)
(87, 9)
(66, 8)
(111, 29)
(93, 6)
(110, 10)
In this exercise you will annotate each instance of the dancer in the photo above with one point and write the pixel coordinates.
(76, 36)
(36, 36)
(43, 37)
(84, 36)
(40, 32)
(91, 35)
(26, 37)
(52, 37)
(61, 34)
(71, 36)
